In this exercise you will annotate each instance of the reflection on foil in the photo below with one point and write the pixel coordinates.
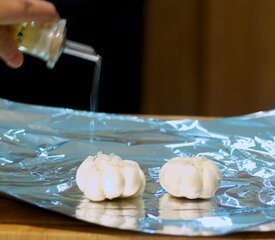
(42, 147)
(171, 208)
(118, 213)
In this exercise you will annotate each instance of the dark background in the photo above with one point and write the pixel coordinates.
(114, 30)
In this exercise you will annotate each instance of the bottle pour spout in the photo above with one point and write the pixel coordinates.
(80, 50)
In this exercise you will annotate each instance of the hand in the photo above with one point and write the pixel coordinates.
(14, 12)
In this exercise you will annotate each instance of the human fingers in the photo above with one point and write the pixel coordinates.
(18, 11)
(9, 52)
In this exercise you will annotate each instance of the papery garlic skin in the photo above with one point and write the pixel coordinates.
(104, 176)
(190, 177)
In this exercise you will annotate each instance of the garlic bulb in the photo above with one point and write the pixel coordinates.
(104, 176)
(191, 177)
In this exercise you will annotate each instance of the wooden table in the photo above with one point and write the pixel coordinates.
(22, 221)
(19, 220)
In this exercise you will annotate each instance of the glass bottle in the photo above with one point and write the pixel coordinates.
(47, 41)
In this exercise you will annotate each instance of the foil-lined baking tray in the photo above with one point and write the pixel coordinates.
(42, 147)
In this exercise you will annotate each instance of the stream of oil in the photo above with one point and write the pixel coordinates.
(88, 53)
(95, 86)
(94, 96)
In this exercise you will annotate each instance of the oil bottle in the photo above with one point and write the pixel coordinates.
(48, 40)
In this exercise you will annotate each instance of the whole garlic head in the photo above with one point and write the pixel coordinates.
(104, 176)
(191, 177)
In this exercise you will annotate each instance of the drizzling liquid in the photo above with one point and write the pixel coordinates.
(95, 86)
(88, 53)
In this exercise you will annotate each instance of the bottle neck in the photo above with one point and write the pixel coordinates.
(80, 50)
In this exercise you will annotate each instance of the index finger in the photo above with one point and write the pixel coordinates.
(18, 11)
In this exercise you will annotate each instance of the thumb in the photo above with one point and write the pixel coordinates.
(8, 48)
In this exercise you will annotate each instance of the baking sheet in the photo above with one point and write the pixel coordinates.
(41, 148)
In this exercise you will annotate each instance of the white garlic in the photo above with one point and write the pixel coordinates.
(104, 176)
(190, 177)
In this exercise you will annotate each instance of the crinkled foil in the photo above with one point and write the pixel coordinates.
(42, 147)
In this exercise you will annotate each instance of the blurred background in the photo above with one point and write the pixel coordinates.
(178, 57)
(209, 57)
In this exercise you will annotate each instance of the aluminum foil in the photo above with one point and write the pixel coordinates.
(42, 147)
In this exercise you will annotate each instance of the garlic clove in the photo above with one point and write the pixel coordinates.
(190, 181)
(142, 185)
(113, 181)
(84, 171)
(132, 180)
(170, 178)
(211, 183)
(93, 186)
